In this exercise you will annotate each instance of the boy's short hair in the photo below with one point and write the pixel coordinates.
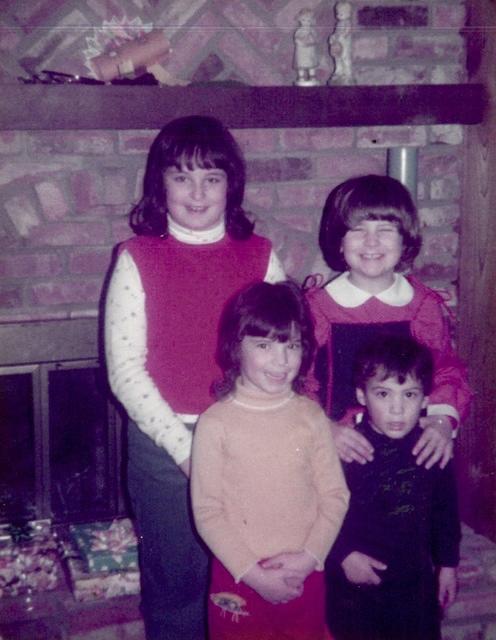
(393, 356)
(370, 197)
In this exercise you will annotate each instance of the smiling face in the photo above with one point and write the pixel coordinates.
(393, 408)
(372, 249)
(268, 365)
(196, 198)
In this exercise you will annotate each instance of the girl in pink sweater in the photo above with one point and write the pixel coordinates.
(267, 486)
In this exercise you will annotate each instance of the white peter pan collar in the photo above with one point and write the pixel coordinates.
(348, 295)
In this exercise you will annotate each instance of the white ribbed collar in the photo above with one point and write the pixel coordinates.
(346, 294)
(188, 236)
(257, 400)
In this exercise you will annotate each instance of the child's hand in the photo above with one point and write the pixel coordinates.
(274, 585)
(360, 568)
(436, 443)
(301, 562)
(447, 586)
(351, 445)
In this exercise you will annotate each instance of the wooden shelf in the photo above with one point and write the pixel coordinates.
(77, 106)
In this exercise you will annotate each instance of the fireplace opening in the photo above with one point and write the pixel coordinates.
(61, 444)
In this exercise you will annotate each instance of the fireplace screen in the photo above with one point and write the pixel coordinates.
(61, 444)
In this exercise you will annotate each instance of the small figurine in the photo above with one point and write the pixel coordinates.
(306, 58)
(340, 44)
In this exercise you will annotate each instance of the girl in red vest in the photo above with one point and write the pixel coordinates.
(194, 247)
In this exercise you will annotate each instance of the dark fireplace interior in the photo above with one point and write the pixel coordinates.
(61, 443)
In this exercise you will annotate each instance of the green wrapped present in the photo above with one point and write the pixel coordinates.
(98, 586)
(106, 546)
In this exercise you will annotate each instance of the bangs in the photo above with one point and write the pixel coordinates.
(194, 156)
(359, 215)
(278, 329)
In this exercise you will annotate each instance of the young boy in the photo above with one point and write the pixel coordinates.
(392, 569)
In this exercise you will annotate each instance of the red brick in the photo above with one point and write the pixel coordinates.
(259, 196)
(439, 247)
(448, 16)
(373, 47)
(135, 142)
(9, 39)
(447, 188)
(438, 164)
(89, 262)
(52, 200)
(191, 41)
(390, 74)
(10, 297)
(65, 292)
(439, 216)
(253, 67)
(30, 265)
(430, 271)
(11, 172)
(264, 36)
(34, 12)
(337, 167)
(304, 194)
(60, 234)
(87, 189)
(435, 45)
(79, 142)
(449, 73)
(298, 255)
(115, 187)
(120, 230)
(256, 140)
(300, 220)
(383, 17)
(22, 214)
(277, 169)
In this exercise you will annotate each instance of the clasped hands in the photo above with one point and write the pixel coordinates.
(280, 578)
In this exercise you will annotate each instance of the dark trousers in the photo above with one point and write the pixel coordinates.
(404, 611)
(173, 560)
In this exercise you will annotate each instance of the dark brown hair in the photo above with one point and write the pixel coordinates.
(265, 310)
(370, 197)
(192, 141)
(393, 356)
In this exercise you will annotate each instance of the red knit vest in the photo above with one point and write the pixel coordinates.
(186, 287)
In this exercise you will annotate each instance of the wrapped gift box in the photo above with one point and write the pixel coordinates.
(29, 560)
(106, 546)
(97, 586)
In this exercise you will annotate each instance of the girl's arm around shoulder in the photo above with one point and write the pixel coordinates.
(126, 353)
(330, 485)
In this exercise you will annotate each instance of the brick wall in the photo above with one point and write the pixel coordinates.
(64, 196)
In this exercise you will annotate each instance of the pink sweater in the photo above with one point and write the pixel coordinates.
(266, 479)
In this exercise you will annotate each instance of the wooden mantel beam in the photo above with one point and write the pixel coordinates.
(78, 106)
